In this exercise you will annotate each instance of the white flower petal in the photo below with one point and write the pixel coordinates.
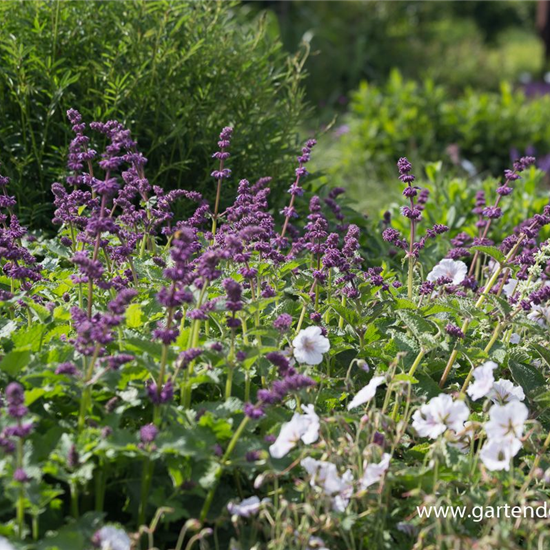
(497, 454)
(113, 538)
(439, 415)
(506, 421)
(5, 544)
(367, 393)
(374, 472)
(309, 346)
(451, 269)
(484, 380)
(504, 391)
(300, 426)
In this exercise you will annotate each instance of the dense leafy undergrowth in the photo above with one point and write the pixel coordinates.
(229, 381)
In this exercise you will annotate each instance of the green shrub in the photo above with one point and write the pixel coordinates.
(459, 43)
(174, 72)
(405, 117)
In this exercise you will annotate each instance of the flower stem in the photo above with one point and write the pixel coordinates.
(227, 454)
(21, 494)
(84, 403)
(536, 463)
(478, 304)
(145, 488)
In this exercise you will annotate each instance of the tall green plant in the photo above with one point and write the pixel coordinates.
(173, 71)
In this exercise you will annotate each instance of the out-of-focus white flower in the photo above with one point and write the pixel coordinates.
(450, 269)
(112, 538)
(373, 473)
(341, 499)
(510, 287)
(496, 454)
(312, 430)
(367, 393)
(540, 314)
(506, 421)
(309, 346)
(247, 507)
(504, 391)
(300, 426)
(440, 414)
(316, 543)
(325, 475)
(5, 544)
(515, 338)
(484, 380)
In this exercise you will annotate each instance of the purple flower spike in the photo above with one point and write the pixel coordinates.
(148, 433)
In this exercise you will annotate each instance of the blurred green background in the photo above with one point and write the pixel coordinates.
(460, 82)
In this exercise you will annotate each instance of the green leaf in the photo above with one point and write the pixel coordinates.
(543, 352)
(528, 377)
(43, 313)
(349, 315)
(30, 337)
(492, 251)
(134, 316)
(405, 378)
(14, 361)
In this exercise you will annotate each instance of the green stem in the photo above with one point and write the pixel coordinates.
(101, 481)
(86, 394)
(227, 454)
(478, 304)
(145, 488)
(410, 279)
(21, 494)
(536, 463)
(74, 500)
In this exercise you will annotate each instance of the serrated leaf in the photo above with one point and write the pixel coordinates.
(14, 361)
(134, 316)
(349, 315)
(492, 251)
(528, 377)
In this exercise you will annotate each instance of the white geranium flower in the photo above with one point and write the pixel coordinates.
(504, 392)
(247, 507)
(451, 269)
(496, 454)
(300, 426)
(341, 500)
(510, 287)
(484, 380)
(311, 433)
(113, 538)
(374, 472)
(5, 544)
(515, 338)
(440, 414)
(506, 421)
(325, 476)
(367, 393)
(309, 346)
(540, 314)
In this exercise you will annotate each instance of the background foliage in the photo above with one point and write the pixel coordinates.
(174, 72)
(457, 43)
(476, 133)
